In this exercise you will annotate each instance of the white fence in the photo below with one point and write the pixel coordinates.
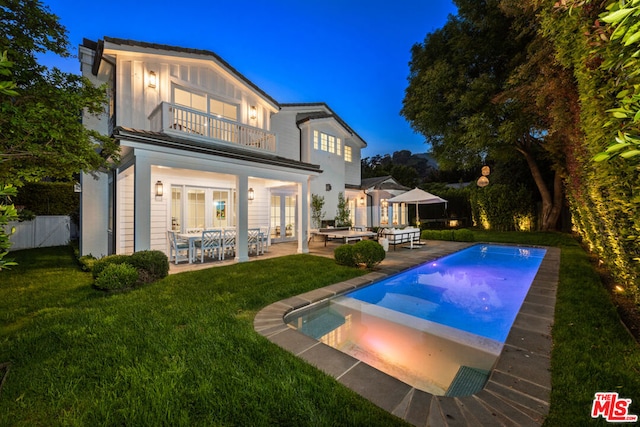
(43, 231)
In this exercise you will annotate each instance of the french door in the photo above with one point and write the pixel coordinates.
(201, 208)
(283, 215)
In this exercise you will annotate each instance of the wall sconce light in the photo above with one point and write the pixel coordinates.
(361, 201)
(159, 189)
(328, 187)
(252, 194)
(253, 112)
(153, 79)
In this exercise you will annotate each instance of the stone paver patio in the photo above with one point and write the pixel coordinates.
(518, 389)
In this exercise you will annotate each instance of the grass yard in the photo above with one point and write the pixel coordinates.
(183, 351)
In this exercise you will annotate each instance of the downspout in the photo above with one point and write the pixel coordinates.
(370, 215)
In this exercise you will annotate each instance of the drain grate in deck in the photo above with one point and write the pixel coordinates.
(467, 381)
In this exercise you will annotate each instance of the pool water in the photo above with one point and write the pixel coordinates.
(423, 325)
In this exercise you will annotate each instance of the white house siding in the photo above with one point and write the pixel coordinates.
(136, 100)
(94, 214)
(125, 211)
(333, 170)
(288, 135)
(159, 214)
(352, 169)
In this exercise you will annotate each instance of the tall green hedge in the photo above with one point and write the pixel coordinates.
(604, 196)
(503, 208)
(48, 198)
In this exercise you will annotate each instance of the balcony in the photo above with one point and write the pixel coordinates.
(176, 119)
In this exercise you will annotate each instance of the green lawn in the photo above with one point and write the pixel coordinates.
(183, 351)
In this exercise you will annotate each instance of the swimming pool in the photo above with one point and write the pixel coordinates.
(427, 324)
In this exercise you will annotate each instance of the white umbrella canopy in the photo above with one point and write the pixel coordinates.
(419, 197)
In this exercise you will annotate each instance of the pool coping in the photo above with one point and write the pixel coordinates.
(517, 392)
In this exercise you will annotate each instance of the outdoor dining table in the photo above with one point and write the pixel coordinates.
(192, 238)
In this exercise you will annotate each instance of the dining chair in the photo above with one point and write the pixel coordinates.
(229, 242)
(253, 239)
(176, 247)
(264, 238)
(211, 243)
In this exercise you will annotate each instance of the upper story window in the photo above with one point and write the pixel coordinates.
(205, 103)
(325, 142)
(347, 154)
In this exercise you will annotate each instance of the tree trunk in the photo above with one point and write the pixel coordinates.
(551, 203)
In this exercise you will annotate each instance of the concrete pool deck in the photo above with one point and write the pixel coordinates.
(517, 392)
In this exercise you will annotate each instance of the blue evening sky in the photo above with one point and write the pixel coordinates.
(351, 54)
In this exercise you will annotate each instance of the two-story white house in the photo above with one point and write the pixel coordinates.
(204, 147)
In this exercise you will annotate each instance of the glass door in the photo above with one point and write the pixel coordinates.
(283, 214)
(220, 217)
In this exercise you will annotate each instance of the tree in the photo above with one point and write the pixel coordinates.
(317, 215)
(41, 135)
(342, 215)
(476, 91)
(7, 209)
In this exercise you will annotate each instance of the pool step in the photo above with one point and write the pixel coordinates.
(467, 381)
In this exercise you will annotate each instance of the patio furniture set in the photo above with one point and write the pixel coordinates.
(390, 236)
(215, 244)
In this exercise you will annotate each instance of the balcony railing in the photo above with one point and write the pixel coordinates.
(172, 118)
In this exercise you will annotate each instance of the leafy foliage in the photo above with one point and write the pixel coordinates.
(623, 33)
(40, 131)
(317, 215)
(150, 266)
(461, 235)
(367, 252)
(117, 277)
(345, 255)
(8, 213)
(604, 195)
(497, 207)
(343, 212)
(485, 86)
(49, 198)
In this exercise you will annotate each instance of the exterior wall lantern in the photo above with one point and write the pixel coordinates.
(361, 201)
(253, 112)
(153, 79)
(252, 194)
(159, 189)
(327, 187)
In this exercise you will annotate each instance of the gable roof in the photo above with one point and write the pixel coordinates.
(386, 182)
(324, 113)
(99, 46)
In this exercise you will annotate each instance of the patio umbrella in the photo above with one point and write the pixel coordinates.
(419, 197)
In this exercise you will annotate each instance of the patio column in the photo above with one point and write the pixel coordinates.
(242, 212)
(303, 217)
(142, 204)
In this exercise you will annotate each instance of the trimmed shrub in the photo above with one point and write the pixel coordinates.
(102, 263)
(117, 277)
(463, 235)
(345, 255)
(152, 265)
(87, 262)
(369, 253)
